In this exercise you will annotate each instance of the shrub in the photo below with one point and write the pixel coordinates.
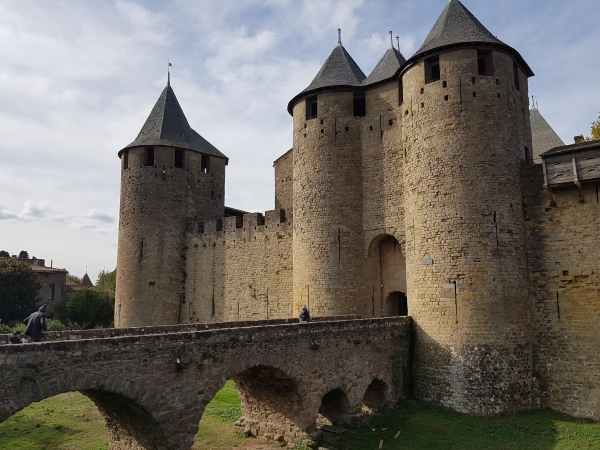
(18, 290)
(55, 325)
(88, 308)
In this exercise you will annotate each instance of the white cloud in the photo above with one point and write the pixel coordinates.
(6, 213)
(100, 216)
(30, 209)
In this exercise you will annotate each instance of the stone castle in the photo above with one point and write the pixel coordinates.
(414, 191)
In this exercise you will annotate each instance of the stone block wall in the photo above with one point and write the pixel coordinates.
(242, 272)
(284, 168)
(564, 271)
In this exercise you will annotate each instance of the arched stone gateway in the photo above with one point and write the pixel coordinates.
(153, 384)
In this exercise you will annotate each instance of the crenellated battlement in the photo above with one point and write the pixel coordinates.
(277, 219)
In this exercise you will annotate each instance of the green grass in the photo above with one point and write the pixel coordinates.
(427, 427)
(72, 422)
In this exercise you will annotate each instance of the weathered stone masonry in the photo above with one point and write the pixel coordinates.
(152, 388)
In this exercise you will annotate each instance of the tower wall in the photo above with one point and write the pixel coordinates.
(158, 204)
(327, 203)
(465, 242)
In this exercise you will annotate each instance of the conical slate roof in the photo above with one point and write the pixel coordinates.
(543, 136)
(86, 282)
(387, 66)
(338, 70)
(457, 25)
(167, 126)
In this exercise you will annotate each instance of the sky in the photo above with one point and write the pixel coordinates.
(78, 80)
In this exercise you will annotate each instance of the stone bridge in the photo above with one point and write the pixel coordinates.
(152, 384)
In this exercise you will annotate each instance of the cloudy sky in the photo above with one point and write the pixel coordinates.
(79, 78)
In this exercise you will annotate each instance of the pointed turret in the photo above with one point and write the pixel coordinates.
(339, 70)
(387, 67)
(457, 26)
(167, 126)
(86, 282)
(543, 136)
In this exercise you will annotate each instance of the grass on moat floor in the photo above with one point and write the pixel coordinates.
(72, 422)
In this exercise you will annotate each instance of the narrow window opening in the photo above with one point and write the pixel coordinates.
(422, 105)
(205, 164)
(371, 128)
(497, 81)
(321, 123)
(126, 159)
(391, 122)
(141, 250)
(311, 108)
(473, 80)
(200, 227)
(360, 106)
(474, 94)
(322, 130)
(516, 76)
(444, 84)
(179, 155)
(484, 63)
(219, 224)
(151, 283)
(445, 97)
(346, 128)
(528, 156)
(557, 306)
(51, 292)
(212, 193)
(422, 91)
(149, 156)
(432, 69)
(498, 94)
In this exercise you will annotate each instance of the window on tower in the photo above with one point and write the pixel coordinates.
(179, 155)
(516, 75)
(360, 107)
(126, 159)
(311, 108)
(485, 66)
(205, 164)
(149, 156)
(432, 69)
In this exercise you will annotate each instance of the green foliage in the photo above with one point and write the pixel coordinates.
(5, 329)
(74, 278)
(88, 308)
(107, 282)
(55, 325)
(226, 404)
(18, 290)
(24, 254)
(596, 129)
(19, 327)
(4, 254)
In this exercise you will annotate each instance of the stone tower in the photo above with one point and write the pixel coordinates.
(171, 177)
(327, 189)
(466, 134)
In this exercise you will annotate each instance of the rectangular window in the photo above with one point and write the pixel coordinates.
(432, 69)
(205, 164)
(126, 159)
(311, 108)
(51, 292)
(484, 63)
(528, 157)
(360, 107)
(149, 157)
(516, 75)
(179, 158)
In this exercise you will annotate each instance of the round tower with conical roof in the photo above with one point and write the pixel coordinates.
(465, 136)
(327, 189)
(171, 177)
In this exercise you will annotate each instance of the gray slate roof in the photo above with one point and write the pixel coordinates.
(387, 66)
(457, 25)
(339, 70)
(543, 136)
(167, 126)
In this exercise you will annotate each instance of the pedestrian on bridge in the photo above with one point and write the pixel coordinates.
(304, 315)
(36, 324)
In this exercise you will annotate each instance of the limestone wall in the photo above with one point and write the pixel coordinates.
(564, 262)
(284, 167)
(464, 137)
(242, 272)
(158, 203)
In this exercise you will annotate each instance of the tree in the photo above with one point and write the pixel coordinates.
(595, 130)
(19, 288)
(4, 254)
(88, 308)
(107, 282)
(23, 254)
(74, 278)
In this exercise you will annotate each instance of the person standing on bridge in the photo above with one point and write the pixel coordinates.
(304, 315)
(36, 324)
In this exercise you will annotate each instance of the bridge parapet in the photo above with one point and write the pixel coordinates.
(152, 388)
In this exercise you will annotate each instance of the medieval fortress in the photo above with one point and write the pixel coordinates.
(416, 190)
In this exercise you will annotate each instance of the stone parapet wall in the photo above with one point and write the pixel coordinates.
(242, 271)
(564, 271)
